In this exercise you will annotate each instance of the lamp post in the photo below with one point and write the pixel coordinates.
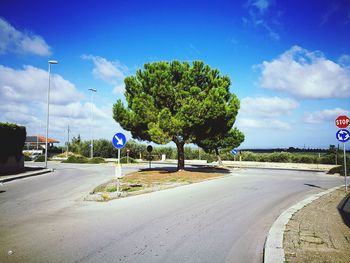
(48, 109)
(91, 123)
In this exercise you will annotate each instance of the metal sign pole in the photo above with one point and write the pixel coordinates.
(345, 174)
(119, 171)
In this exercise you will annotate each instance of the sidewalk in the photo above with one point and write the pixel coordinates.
(318, 233)
(313, 230)
(28, 172)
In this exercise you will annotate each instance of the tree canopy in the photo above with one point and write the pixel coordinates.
(232, 139)
(179, 102)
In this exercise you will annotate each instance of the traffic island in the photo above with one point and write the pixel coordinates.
(151, 180)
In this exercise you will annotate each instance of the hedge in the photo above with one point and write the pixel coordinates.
(83, 159)
(12, 139)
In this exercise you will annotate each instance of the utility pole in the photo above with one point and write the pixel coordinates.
(91, 123)
(67, 143)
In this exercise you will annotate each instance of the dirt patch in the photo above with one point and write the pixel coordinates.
(150, 180)
(317, 233)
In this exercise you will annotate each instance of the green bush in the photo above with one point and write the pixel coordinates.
(76, 159)
(339, 170)
(40, 158)
(12, 139)
(27, 158)
(249, 156)
(328, 159)
(211, 158)
(96, 160)
(124, 160)
(83, 159)
(279, 157)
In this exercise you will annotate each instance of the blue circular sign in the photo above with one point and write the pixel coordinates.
(343, 135)
(119, 140)
(234, 151)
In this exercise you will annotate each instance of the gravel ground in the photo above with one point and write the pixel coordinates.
(317, 232)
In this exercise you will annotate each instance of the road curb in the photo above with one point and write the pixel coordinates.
(273, 249)
(22, 176)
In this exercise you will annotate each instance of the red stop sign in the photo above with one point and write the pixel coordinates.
(342, 121)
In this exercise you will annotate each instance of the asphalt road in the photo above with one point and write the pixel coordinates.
(44, 218)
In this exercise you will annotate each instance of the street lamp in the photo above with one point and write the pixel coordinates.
(91, 123)
(48, 108)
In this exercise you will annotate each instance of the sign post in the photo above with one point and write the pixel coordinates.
(119, 141)
(343, 136)
(127, 155)
(234, 152)
(149, 150)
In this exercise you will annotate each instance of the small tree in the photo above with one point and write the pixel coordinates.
(173, 101)
(232, 139)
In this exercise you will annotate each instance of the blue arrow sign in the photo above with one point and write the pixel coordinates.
(343, 135)
(119, 140)
(234, 151)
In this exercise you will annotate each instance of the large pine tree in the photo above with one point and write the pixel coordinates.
(179, 102)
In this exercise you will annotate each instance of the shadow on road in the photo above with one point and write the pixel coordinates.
(25, 170)
(316, 186)
(199, 168)
(344, 209)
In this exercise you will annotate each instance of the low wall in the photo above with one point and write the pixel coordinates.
(12, 166)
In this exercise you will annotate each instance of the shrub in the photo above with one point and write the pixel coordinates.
(76, 159)
(298, 158)
(249, 156)
(27, 158)
(211, 158)
(12, 139)
(96, 160)
(328, 159)
(339, 170)
(279, 157)
(124, 160)
(40, 158)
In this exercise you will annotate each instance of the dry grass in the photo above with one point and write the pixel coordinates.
(163, 178)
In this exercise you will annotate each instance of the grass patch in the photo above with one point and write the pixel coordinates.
(156, 179)
(111, 189)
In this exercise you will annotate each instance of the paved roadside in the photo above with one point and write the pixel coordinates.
(318, 233)
(28, 172)
(311, 231)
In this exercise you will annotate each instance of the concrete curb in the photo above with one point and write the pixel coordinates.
(24, 175)
(273, 249)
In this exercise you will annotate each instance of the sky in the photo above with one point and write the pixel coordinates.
(288, 61)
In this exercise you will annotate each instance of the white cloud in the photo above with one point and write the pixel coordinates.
(262, 112)
(77, 110)
(328, 115)
(23, 95)
(111, 72)
(344, 61)
(259, 17)
(261, 5)
(31, 84)
(14, 41)
(267, 106)
(262, 124)
(306, 74)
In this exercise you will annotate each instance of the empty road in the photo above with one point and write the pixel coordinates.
(44, 218)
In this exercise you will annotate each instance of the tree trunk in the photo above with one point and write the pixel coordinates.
(219, 158)
(180, 156)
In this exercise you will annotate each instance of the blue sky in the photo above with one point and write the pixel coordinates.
(289, 61)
